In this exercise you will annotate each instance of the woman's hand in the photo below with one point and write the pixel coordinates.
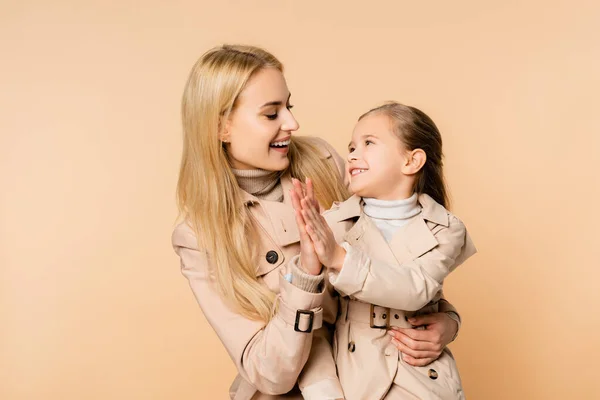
(329, 252)
(420, 347)
(309, 261)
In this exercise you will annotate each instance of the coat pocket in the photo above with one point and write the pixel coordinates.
(438, 380)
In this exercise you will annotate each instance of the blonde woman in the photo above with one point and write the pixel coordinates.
(239, 231)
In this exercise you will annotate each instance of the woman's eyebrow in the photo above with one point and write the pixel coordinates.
(276, 103)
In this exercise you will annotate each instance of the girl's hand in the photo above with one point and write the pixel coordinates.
(420, 347)
(330, 253)
(309, 261)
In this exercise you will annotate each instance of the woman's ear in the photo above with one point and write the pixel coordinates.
(224, 135)
(414, 162)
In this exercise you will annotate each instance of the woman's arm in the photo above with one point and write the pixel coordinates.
(318, 379)
(420, 347)
(268, 355)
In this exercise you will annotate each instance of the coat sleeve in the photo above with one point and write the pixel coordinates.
(319, 379)
(444, 306)
(408, 286)
(270, 355)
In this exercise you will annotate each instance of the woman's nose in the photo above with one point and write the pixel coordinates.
(290, 124)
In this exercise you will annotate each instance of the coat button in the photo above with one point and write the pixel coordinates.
(272, 257)
(432, 374)
(351, 347)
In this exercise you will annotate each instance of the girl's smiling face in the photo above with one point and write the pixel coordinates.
(377, 160)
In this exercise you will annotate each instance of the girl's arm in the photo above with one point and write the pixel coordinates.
(410, 285)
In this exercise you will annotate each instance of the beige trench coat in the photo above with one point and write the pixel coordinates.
(269, 357)
(403, 278)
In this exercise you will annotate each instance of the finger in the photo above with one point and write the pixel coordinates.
(298, 188)
(412, 352)
(422, 335)
(312, 207)
(313, 235)
(317, 242)
(306, 205)
(310, 192)
(308, 215)
(319, 217)
(311, 211)
(295, 200)
(301, 226)
(318, 221)
(424, 319)
(408, 341)
(435, 347)
(417, 362)
(316, 228)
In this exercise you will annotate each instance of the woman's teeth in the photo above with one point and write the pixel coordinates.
(281, 144)
(357, 171)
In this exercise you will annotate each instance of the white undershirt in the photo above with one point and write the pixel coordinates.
(391, 215)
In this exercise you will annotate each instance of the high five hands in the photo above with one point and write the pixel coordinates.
(315, 234)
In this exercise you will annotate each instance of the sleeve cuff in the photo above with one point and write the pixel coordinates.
(353, 274)
(296, 298)
(329, 389)
(455, 317)
(302, 280)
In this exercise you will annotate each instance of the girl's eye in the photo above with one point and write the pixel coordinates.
(351, 149)
(368, 142)
(271, 116)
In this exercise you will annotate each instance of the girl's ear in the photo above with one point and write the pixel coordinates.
(414, 161)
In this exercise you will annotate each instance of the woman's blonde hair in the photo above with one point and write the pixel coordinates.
(208, 195)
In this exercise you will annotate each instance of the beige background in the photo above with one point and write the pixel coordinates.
(92, 303)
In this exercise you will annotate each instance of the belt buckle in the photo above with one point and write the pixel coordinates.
(311, 314)
(372, 316)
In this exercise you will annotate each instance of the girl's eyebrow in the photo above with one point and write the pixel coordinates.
(367, 136)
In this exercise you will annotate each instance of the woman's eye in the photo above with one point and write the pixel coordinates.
(289, 106)
(271, 116)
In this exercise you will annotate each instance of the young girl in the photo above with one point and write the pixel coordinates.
(397, 243)
(239, 231)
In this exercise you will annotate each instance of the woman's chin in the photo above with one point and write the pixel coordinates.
(278, 165)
